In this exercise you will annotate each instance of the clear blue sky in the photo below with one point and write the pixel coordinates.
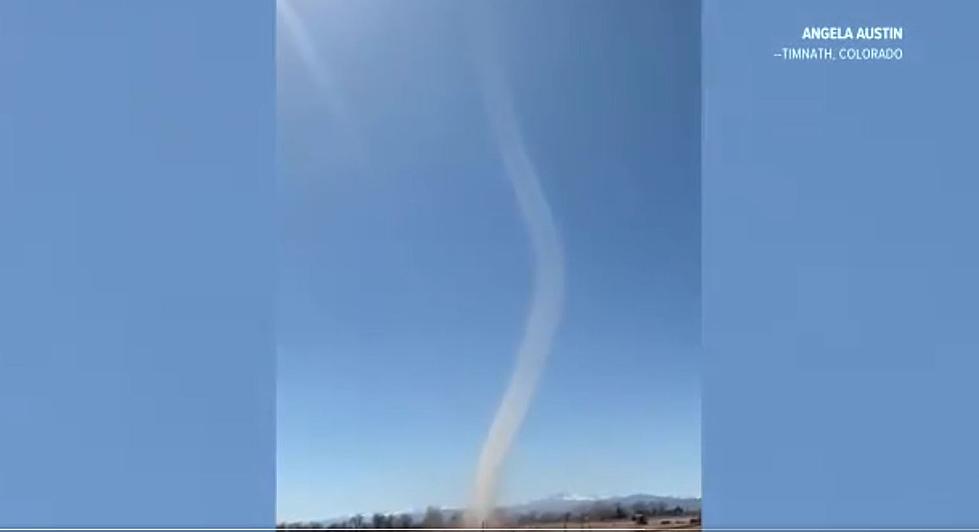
(404, 263)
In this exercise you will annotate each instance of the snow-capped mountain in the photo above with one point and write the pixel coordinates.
(567, 502)
(557, 503)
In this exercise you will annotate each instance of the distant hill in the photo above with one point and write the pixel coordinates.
(564, 502)
(556, 505)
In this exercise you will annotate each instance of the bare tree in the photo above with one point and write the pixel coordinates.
(433, 518)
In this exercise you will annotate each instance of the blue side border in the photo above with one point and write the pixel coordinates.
(136, 235)
(839, 270)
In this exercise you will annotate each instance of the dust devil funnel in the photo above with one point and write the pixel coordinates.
(548, 285)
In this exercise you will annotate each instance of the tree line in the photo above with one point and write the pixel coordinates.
(582, 516)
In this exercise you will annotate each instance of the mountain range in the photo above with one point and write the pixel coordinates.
(567, 502)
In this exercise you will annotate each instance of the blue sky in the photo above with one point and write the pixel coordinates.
(405, 271)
